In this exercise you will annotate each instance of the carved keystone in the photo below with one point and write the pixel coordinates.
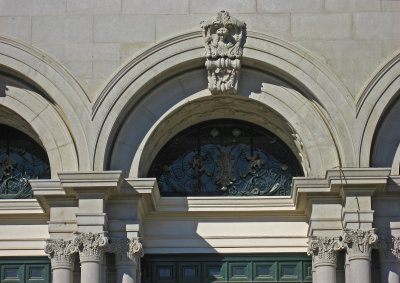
(223, 42)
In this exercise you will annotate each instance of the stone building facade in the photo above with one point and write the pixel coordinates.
(118, 113)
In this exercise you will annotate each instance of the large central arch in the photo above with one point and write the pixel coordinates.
(325, 95)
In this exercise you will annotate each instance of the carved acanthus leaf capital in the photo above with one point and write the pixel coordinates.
(324, 250)
(359, 242)
(396, 247)
(224, 38)
(60, 252)
(91, 246)
(127, 249)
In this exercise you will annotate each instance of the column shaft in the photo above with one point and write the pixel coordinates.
(91, 272)
(325, 274)
(360, 270)
(62, 275)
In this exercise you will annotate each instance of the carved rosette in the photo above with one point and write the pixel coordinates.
(324, 250)
(396, 247)
(60, 253)
(127, 249)
(224, 38)
(91, 246)
(359, 242)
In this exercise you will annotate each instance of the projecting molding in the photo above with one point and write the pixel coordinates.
(224, 38)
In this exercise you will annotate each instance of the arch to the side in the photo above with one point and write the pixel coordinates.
(64, 124)
(378, 109)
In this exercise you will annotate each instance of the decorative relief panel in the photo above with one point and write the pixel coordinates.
(224, 37)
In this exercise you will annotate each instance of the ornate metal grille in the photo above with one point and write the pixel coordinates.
(225, 157)
(21, 159)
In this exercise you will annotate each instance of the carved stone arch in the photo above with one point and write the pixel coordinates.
(184, 101)
(27, 111)
(374, 105)
(180, 54)
(66, 100)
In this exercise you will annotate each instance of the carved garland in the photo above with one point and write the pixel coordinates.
(224, 37)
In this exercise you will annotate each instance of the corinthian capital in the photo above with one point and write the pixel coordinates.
(323, 250)
(359, 242)
(60, 253)
(127, 249)
(396, 247)
(91, 246)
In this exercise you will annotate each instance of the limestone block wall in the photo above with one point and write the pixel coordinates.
(93, 38)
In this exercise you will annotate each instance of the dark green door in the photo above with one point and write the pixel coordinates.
(24, 270)
(202, 268)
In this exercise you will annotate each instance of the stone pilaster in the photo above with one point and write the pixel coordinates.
(127, 254)
(324, 253)
(61, 256)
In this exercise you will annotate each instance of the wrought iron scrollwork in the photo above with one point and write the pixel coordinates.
(21, 159)
(225, 157)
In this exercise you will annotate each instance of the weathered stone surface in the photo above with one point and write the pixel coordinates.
(321, 26)
(352, 5)
(376, 25)
(17, 27)
(279, 6)
(159, 7)
(126, 28)
(211, 6)
(104, 7)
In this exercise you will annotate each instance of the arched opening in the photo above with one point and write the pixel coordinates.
(225, 157)
(386, 138)
(21, 159)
